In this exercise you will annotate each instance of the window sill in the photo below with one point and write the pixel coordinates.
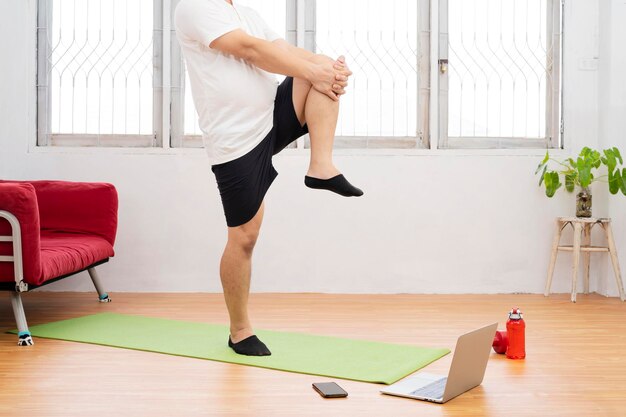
(55, 150)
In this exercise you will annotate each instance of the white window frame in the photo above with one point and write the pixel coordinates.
(421, 140)
(554, 97)
(300, 31)
(44, 105)
(168, 98)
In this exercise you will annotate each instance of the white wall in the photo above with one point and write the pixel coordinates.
(430, 222)
(612, 111)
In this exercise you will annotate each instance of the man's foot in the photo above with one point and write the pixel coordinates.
(250, 346)
(337, 184)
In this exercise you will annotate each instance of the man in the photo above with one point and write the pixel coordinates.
(246, 118)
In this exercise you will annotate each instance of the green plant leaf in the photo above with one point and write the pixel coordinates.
(584, 172)
(552, 183)
(597, 162)
(543, 174)
(618, 155)
(610, 159)
(623, 181)
(548, 182)
(540, 167)
(572, 163)
(614, 181)
(585, 177)
(543, 164)
(570, 181)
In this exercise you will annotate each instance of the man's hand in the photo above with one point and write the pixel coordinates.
(341, 78)
(330, 77)
(323, 77)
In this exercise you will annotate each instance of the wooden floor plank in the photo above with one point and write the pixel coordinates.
(575, 366)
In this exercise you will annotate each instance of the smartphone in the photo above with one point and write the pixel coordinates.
(329, 390)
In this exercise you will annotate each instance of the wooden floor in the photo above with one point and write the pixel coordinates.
(575, 366)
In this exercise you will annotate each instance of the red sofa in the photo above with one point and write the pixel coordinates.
(50, 230)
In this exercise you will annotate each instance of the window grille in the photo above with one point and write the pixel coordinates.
(97, 71)
(500, 73)
(386, 44)
(387, 103)
(100, 71)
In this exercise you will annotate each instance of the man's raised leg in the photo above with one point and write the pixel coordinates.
(320, 113)
(235, 271)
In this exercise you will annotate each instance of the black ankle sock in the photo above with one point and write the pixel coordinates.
(250, 346)
(338, 184)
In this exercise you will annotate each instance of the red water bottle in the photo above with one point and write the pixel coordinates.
(515, 329)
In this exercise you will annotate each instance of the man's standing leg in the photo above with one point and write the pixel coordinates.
(235, 271)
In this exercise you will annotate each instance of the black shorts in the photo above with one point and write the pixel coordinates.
(244, 181)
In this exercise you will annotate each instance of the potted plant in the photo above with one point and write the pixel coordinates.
(579, 174)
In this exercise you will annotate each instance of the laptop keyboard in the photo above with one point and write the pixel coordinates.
(433, 390)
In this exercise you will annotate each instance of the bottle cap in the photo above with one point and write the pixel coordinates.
(516, 314)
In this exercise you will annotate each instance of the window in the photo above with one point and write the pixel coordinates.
(95, 73)
(501, 72)
(109, 72)
(388, 101)
(386, 44)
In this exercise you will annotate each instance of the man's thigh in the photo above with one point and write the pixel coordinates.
(248, 231)
(301, 89)
(287, 124)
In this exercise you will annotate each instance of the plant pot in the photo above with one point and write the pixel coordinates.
(583, 202)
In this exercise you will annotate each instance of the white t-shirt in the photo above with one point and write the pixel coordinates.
(234, 100)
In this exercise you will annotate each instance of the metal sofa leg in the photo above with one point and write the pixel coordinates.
(102, 296)
(24, 337)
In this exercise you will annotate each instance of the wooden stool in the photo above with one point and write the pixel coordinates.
(582, 226)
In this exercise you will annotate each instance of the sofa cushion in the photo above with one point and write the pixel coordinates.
(65, 253)
(78, 207)
(20, 200)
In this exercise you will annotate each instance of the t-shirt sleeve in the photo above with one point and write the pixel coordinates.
(204, 21)
(268, 32)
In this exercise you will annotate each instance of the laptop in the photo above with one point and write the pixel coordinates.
(466, 372)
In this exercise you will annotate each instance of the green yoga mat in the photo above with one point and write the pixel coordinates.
(359, 360)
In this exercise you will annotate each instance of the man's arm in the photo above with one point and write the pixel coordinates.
(302, 53)
(339, 64)
(273, 58)
(299, 52)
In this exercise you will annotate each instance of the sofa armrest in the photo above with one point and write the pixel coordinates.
(19, 200)
(78, 207)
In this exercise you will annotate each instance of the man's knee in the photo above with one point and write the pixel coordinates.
(244, 238)
(302, 83)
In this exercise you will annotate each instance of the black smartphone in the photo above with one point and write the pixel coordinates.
(329, 390)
